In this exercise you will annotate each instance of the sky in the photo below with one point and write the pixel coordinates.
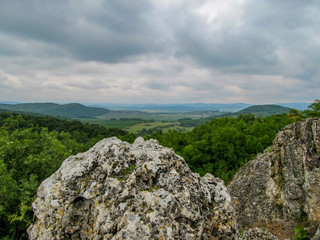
(160, 51)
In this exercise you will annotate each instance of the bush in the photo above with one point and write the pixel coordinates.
(301, 233)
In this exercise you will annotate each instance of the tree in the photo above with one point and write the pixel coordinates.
(314, 109)
(296, 115)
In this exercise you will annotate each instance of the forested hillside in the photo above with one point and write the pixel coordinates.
(71, 110)
(264, 110)
(257, 110)
(31, 149)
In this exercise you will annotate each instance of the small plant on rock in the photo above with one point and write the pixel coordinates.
(301, 233)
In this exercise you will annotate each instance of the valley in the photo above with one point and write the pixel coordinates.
(144, 119)
(143, 122)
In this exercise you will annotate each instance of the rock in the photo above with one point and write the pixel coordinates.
(257, 233)
(145, 191)
(280, 188)
(317, 235)
(140, 191)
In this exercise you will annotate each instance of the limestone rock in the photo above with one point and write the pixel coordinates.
(145, 191)
(140, 191)
(257, 233)
(317, 235)
(281, 187)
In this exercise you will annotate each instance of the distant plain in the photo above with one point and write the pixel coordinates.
(138, 122)
(143, 119)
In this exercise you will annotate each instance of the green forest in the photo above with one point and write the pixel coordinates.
(223, 145)
(71, 110)
(33, 147)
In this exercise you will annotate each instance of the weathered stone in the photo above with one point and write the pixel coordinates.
(280, 188)
(141, 191)
(317, 235)
(145, 191)
(257, 233)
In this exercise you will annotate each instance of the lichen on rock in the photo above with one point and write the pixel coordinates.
(281, 188)
(117, 190)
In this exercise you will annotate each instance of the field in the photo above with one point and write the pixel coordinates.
(149, 127)
(142, 123)
(112, 123)
(155, 115)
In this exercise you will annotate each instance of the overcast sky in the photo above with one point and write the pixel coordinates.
(160, 51)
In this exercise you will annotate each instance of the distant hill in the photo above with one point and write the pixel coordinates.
(299, 106)
(71, 110)
(9, 102)
(264, 110)
(178, 107)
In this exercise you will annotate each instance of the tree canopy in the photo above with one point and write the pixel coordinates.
(223, 145)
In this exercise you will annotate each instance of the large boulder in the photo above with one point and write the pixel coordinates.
(141, 191)
(145, 191)
(280, 189)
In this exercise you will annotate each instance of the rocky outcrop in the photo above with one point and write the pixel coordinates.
(145, 191)
(281, 187)
(140, 191)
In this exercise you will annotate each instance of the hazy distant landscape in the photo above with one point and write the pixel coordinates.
(142, 119)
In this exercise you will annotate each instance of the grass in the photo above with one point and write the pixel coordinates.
(110, 123)
(151, 125)
(156, 116)
(142, 123)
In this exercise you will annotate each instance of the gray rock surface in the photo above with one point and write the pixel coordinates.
(145, 191)
(281, 187)
(257, 233)
(317, 235)
(140, 191)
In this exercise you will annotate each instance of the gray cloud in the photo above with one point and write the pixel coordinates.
(142, 50)
(250, 43)
(107, 31)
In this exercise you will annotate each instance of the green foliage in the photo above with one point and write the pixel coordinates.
(314, 109)
(71, 110)
(188, 122)
(223, 145)
(265, 110)
(31, 149)
(114, 123)
(129, 169)
(82, 133)
(296, 115)
(28, 157)
(301, 233)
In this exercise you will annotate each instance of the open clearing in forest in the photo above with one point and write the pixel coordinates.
(112, 123)
(149, 127)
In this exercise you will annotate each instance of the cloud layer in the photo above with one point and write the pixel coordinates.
(160, 51)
